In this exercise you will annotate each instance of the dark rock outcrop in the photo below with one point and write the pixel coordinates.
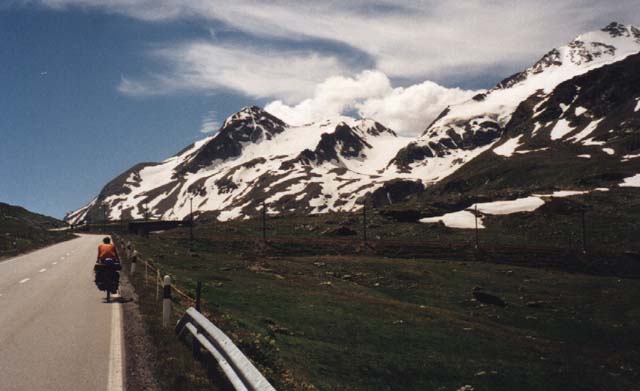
(394, 192)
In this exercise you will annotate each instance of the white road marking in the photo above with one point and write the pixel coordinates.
(42, 270)
(25, 280)
(54, 263)
(115, 382)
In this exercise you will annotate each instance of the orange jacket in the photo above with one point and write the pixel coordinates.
(107, 251)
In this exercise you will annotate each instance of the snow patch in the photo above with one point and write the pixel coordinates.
(590, 142)
(563, 193)
(586, 131)
(509, 147)
(460, 219)
(633, 181)
(525, 151)
(561, 129)
(527, 204)
(466, 218)
(626, 158)
(579, 111)
(608, 151)
(585, 156)
(536, 128)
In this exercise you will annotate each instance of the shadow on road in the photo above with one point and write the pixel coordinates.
(117, 300)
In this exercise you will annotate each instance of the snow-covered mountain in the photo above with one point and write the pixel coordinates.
(579, 100)
(254, 157)
(584, 135)
(463, 131)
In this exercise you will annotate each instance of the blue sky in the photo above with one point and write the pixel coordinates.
(89, 88)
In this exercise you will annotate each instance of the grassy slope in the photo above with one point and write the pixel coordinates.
(27, 230)
(612, 222)
(356, 322)
(612, 219)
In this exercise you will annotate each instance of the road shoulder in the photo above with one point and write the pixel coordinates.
(139, 351)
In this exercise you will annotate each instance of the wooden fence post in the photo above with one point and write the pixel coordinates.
(198, 295)
(157, 284)
(166, 302)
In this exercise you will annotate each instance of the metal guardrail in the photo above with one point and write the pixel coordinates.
(242, 374)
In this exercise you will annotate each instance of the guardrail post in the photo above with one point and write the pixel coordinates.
(198, 294)
(166, 302)
(134, 260)
(157, 284)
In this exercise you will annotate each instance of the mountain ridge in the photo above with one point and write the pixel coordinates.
(336, 164)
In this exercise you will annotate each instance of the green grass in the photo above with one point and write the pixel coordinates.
(612, 223)
(174, 367)
(368, 322)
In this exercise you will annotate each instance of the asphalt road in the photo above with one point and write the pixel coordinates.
(56, 330)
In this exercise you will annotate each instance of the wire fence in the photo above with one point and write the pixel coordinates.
(148, 275)
(566, 236)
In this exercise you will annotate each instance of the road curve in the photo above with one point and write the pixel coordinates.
(56, 331)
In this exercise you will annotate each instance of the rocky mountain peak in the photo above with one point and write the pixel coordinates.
(585, 49)
(616, 29)
(373, 128)
(252, 117)
(584, 53)
(246, 114)
(249, 125)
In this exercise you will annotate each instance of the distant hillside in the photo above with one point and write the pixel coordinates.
(22, 230)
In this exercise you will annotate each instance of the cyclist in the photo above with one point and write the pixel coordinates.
(107, 250)
(106, 268)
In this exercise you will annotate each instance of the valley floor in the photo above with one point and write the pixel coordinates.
(317, 319)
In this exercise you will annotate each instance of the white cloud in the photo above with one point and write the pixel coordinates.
(333, 97)
(210, 123)
(203, 66)
(406, 38)
(410, 110)
(407, 110)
